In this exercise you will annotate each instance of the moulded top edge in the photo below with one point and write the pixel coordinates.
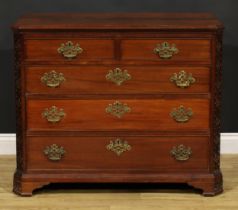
(118, 21)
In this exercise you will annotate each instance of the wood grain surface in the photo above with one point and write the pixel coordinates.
(92, 80)
(146, 155)
(145, 115)
(93, 49)
(123, 21)
(119, 197)
(189, 50)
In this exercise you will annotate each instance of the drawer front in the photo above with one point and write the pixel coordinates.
(117, 80)
(121, 115)
(68, 50)
(184, 50)
(115, 154)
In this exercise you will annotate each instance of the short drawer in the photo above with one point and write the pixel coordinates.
(167, 50)
(116, 79)
(115, 154)
(68, 50)
(118, 115)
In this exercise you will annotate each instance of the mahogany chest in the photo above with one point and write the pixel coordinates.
(118, 98)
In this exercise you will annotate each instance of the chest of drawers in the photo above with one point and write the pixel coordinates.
(118, 98)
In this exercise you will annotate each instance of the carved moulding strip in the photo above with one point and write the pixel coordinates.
(18, 45)
(18, 187)
(216, 122)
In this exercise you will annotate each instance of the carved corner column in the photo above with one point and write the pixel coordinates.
(18, 45)
(216, 121)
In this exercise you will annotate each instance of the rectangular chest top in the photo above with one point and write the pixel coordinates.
(118, 21)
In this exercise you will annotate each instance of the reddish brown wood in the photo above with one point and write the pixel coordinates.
(126, 41)
(90, 115)
(92, 80)
(189, 50)
(47, 49)
(204, 181)
(122, 21)
(146, 154)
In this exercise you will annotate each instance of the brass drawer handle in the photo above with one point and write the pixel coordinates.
(69, 50)
(53, 114)
(117, 109)
(54, 152)
(165, 50)
(182, 79)
(181, 152)
(181, 114)
(52, 79)
(118, 146)
(118, 76)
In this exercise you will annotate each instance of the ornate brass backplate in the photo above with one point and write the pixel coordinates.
(52, 79)
(181, 114)
(182, 79)
(118, 76)
(69, 50)
(54, 152)
(118, 146)
(117, 109)
(53, 114)
(165, 50)
(181, 152)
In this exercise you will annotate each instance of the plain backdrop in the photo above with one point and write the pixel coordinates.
(226, 10)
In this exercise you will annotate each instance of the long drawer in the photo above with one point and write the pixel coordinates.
(118, 115)
(115, 154)
(116, 80)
